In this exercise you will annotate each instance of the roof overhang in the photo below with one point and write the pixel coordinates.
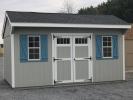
(16, 24)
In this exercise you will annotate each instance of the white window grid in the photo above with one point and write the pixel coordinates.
(107, 47)
(34, 48)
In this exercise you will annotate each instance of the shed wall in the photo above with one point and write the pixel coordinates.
(7, 53)
(108, 69)
(40, 73)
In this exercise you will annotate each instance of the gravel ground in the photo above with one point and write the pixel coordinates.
(105, 91)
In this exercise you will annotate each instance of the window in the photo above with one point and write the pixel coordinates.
(34, 47)
(63, 40)
(80, 40)
(107, 46)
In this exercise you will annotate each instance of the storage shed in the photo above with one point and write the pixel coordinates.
(53, 48)
(129, 50)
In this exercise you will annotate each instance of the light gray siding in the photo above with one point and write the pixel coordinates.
(40, 73)
(7, 53)
(32, 73)
(108, 69)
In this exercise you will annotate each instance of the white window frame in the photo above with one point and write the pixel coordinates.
(107, 47)
(64, 44)
(34, 47)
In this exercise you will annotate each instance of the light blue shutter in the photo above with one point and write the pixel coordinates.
(115, 46)
(23, 48)
(44, 48)
(98, 47)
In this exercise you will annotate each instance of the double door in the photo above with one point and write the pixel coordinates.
(72, 58)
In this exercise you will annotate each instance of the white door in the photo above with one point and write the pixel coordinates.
(71, 58)
(82, 58)
(63, 59)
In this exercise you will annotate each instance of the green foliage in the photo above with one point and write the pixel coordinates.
(88, 10)
(120, 8)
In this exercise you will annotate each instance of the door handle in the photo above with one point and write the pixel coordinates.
(88, 58)
(56, 59)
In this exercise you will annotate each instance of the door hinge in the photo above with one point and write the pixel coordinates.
(88, 37)
(88, 58)
(54, 37)
(54, 81)
(57, 82)
(54, 59)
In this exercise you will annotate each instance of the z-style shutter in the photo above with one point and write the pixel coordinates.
(115, 46)
(23, 48)
(98, 47)
(44, 47)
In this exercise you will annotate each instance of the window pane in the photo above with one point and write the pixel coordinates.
(104, 43)
(80, 40)
(109, 50)
(86, 41)
(58, 41)
(63, 41)
(31, 51)
(109, 43)
(68, 41)
(83, 40)
(109, 38)
(104, 38)
(36, 50)
(36, 44)
(31, 56)
(31, 39)
(36, 56)
(36, 38)
(105, 49)
(109, 54)
(76, 41)
(105, 54)
(31, 44)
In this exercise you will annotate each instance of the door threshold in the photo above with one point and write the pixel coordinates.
(73, 83)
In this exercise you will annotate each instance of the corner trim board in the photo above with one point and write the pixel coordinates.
(123, 39)
(12, 62)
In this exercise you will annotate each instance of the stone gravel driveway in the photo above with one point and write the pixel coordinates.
(104, 91)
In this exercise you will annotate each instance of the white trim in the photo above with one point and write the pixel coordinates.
(12, 61)
(15, 24)
(53, 55)
(72, 44)
(123, 39)
(89, 45)
(34, 48)
(107, 47)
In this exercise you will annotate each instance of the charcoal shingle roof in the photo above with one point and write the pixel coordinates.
(36, 17)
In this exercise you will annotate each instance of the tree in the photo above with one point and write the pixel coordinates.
(89, 10)
(120, 8)
(67, 7)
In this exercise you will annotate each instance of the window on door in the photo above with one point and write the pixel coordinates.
(34, 48)
(107, 46)
(81, 41)
(63, 40)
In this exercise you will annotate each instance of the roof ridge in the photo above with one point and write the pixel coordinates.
(58, 13)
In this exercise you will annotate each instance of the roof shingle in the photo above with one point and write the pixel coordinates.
(36, 17)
